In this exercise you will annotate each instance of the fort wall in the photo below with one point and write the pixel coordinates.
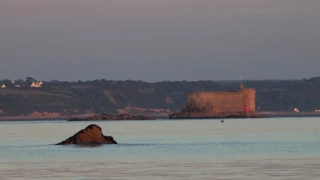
(217, 103)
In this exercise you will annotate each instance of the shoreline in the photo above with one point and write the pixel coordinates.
(66, 118)
(30, 118)
(289, 114)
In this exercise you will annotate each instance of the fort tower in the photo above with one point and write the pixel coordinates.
(220, 104)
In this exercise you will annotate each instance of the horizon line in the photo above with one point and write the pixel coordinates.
(230, 80)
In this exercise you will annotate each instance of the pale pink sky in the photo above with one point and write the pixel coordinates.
(156, 40)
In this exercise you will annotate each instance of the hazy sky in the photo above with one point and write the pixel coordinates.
(155, 40)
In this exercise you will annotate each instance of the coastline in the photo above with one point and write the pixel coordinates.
(64, 118)
(288, 114)
(261, 114)
(33, 118)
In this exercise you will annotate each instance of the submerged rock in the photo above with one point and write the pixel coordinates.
(92, 134)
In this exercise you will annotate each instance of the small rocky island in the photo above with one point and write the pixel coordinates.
(112, 117)
(92, 134)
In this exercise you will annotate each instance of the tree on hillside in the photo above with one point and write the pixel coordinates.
(30, 80)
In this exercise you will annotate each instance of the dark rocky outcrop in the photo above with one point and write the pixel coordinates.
(92, 134)
(187, 113)
(112, 117)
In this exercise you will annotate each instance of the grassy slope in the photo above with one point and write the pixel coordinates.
(107, 96)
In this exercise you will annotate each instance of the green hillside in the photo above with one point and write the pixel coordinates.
(103, 96)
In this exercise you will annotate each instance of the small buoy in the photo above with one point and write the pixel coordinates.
(222, 120)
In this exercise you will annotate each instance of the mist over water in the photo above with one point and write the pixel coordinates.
(283, 148)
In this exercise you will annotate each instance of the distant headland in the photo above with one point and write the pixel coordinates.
(32, 99)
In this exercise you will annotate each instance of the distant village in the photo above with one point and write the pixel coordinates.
(21, 84)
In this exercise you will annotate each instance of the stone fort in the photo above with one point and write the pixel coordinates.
(219, 104)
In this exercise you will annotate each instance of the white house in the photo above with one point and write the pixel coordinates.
(3, 86)
(35, 84)
(296, 110)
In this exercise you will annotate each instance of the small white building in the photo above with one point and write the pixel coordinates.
(3, 86)
(35, 84)
(296, 110)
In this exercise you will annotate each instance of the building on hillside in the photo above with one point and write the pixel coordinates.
(296, 110)
(18, 84)
(36, 84)
(3, 86)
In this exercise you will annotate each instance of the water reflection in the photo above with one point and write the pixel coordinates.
(87, 145)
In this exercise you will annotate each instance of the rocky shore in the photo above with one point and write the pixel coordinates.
(184, 114)
(112, 117)
(174, 116)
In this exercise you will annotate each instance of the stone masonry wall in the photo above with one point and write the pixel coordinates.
(222, 102)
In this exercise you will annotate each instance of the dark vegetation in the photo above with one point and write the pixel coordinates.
(105, 96)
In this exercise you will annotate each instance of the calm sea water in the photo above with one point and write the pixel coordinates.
(283, 148)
